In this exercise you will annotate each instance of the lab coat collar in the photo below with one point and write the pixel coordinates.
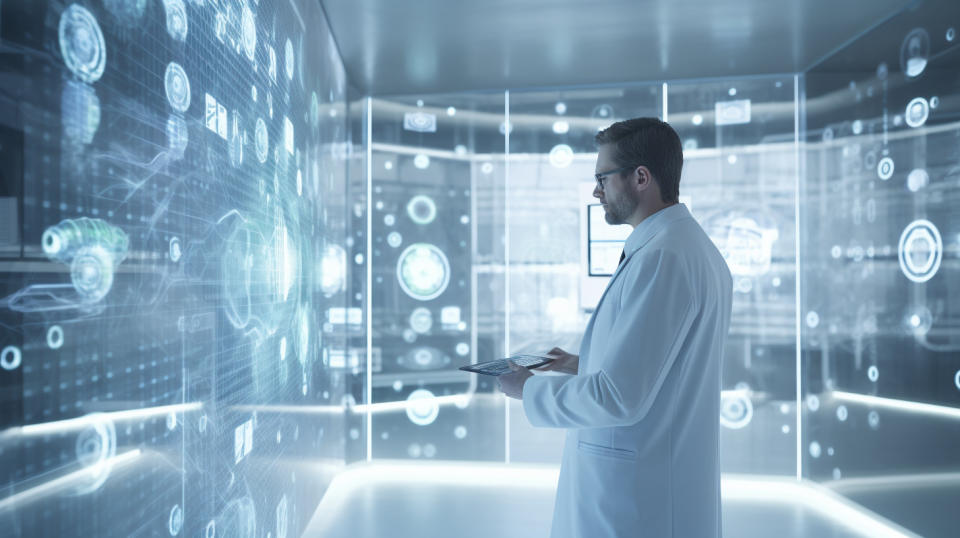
(646, 230)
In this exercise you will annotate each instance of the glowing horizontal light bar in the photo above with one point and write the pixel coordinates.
(292, 409)
(383, 407)
(892, 482)
(58, 426)
(66, 481)
(816, 498)
(402, 405)
(902, 405)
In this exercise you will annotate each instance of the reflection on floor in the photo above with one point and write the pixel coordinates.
(441, 499)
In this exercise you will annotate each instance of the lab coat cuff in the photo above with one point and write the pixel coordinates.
(538, 398)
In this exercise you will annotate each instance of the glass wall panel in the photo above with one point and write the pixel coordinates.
(436, 229)
(880, 236)
(739, 181)
(172, 234)
(549, 188)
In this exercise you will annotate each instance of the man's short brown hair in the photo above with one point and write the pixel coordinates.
(651, 143)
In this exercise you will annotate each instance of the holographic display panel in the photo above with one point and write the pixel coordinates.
(879, 309)
(173, 232)
(437, 297)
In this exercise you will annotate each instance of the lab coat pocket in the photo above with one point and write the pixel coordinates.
(598, 450)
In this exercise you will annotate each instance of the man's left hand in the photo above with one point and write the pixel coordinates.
(512, 384)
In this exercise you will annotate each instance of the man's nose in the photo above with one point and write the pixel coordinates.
(596, 191)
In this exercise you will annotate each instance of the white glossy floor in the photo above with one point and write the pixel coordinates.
(442, 499)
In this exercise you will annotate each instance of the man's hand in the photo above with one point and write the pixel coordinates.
(565, 363)
(512, 384)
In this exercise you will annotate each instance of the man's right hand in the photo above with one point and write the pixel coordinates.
(563, 362)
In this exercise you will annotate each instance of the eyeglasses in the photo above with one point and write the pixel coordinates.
(602, 176)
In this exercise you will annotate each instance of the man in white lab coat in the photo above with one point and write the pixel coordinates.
(641, 402)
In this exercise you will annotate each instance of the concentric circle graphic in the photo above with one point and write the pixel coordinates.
(423, 271)
(81, 43)
(920, 250)
(422, 209)
(178, 87)
(736, 409)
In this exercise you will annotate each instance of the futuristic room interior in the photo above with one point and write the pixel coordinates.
(247, 245)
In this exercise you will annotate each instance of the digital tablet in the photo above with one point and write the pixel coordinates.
(499, 366)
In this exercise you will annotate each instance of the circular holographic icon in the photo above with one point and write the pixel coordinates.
(210, 531)
(873, 373)
(288, 59)
(919, 321)
(262, 141)
(176, 19)
(80, 111)
(175, 521)
(561, 127)
(92, 272)
(421, 161)
(460, 432)
(81, 43)
(10, 358)
(422, 407)
(95, 447)
(333, 269)
(175, 250)
(736, 409)
(815, 449)
(885, 168)
(394, 239)
(602, 112)
(177, 136)
(421, 320)
(560, 108)
(842, 413)
(423, 271)
(915, 53)
(918, 179)
(248, 32)
(55, 337)
(918, 110)
(486, 168)
(920, 250)
(462, 349)
(873, 419)
(561, 156)
(813, 402)
(422, 209)
(178, 87)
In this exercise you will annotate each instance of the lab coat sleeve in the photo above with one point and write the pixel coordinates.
(657, 309)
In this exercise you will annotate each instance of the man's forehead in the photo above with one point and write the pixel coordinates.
(603, 157)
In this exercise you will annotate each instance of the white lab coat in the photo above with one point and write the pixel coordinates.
(642, 414)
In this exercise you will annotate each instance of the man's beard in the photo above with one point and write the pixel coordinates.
(618, 212)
